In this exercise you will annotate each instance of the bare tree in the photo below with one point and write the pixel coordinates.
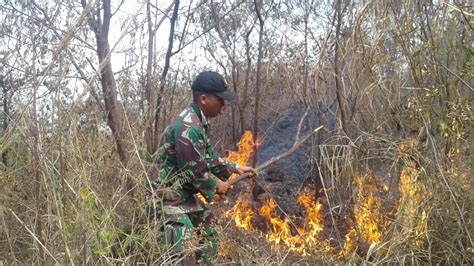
(337, 72)
(6, 95)
(151, 28)
(257, 86)
(244, 103)
(169, 54)
(100, 23)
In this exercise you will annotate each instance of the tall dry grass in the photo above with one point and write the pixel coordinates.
(407, 74)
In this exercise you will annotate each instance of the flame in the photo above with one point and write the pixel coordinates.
(303, 234)
(246, 146)
(369, 222)
(368, 209)
(280, 229)
(409, 203)
(350, 242)
(242, 211)
(303, 240)
(313, 215)
(409, 212)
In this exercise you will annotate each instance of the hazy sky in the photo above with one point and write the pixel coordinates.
(122, 24)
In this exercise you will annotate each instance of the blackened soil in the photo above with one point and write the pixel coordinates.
(285, 178)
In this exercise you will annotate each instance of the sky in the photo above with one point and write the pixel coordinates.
(121, 24)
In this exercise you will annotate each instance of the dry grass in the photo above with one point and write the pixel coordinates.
(85, 223)
(407, 75)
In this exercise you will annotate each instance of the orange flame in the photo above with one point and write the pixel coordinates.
(368, 209)
(350, 243)
(303, 240)
(280, 229)
(303, 235)
(409, 211)
(313, 216)
(245, 146)
(242, 211)
(411, 215)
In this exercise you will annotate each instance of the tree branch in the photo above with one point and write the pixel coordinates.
(275, 158)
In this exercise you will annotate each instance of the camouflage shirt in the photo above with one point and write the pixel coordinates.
(186, 163)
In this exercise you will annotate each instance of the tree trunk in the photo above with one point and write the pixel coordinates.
(148, 122)
(257, 86)
(6, 115)
(233, 115)
(109, 88)
(115, 112)
(243, 102)
(107, 79)
(337, 74)
(159, 100)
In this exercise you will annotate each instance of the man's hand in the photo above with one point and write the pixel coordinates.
(222, 187)
(245, 169)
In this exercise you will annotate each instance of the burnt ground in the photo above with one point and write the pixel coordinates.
(284, 179)
(288, 176)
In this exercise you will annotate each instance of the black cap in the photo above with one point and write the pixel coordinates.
(213, 83)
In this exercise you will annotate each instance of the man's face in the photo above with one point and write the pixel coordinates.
(211, 105)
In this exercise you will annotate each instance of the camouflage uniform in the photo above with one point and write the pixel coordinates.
(186, 165)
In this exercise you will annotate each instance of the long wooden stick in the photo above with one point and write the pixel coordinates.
(274, 159)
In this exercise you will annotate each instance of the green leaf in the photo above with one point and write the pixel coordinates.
(96, 219)
(102, 251)
(472, 163)
(89, 201)
(441, 127)
(106, 236)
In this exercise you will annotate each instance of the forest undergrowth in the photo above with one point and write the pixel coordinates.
(87, 219)
(388, 181)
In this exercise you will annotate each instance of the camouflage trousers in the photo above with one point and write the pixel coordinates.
(189, 238)
(187, 235)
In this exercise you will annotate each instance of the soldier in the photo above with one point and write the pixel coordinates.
(187, 165)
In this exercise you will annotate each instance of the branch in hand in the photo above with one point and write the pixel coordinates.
(275, 159)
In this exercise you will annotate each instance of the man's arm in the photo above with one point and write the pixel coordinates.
(218, 166)
(190, 151)
(222, 168)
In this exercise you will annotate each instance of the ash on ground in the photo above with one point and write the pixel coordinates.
(285, 178)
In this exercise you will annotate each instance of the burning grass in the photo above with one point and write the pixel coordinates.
(421, 217)
(367, 210)
(371, 230)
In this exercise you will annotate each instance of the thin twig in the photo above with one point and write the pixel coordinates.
(33, 235)
(451, 193)
(300, 125)
(452, 73)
